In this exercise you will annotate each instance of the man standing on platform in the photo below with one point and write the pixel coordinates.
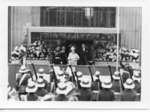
(57, 55)
(73, 57)
(84, 55)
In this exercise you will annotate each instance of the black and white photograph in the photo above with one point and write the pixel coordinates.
(59, 53)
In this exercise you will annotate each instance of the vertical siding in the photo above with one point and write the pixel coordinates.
(35, 12)
(19, 17)
(130, 26)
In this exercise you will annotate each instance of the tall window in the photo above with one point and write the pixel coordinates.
(78, 16)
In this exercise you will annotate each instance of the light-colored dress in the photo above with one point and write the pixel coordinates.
(73, 58)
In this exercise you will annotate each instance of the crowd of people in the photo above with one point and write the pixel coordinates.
(108, 52)
(59, 55)
(38, 50)
(71, 85)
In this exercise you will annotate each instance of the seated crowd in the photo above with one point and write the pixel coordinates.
(70, 85)
(39, 51)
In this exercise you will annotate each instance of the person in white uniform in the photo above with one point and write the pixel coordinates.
(73, 57)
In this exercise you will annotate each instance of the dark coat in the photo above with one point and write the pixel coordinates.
(128, 95)
(84, 57)
(106, 95)
(85, 94)
(61, 97)
(116, 86)
(32, 97)
(57, 57)
(64, 57)
(96, 85)
(41, 92)
(137, 87)
(125, 76)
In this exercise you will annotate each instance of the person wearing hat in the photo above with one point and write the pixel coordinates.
(22, 79)
(127, 69)
(42, 75)
(129, 93)
(106, 93)
(62, 90)
(41, 91)
(124, 74)
(116, 82)
(57, 55)
(84, 55)
(31, 89)
(96, 86)
(85, 91)
(63, 55)
(73, 57)
(137, 80)
(60, 76)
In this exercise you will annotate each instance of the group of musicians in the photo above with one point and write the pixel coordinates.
(71, 85)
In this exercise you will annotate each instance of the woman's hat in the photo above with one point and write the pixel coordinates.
(129, 84)
(40, 72)
(86, 82)
(136, 75)
(40, 82)
(63, 88)
(23, 69)
(31, 87)
(116, 75)
(97, 73)
(107, 83)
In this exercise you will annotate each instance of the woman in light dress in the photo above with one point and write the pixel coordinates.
(73, 57)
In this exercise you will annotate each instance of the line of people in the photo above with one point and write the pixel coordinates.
(70, 85)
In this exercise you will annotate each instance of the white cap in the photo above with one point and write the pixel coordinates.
(116, 75)
(40, 82)
(86, 82)
(31, 88)
(107, 83)
(129, 84)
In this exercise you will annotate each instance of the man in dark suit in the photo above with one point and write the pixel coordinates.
(84, 55)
